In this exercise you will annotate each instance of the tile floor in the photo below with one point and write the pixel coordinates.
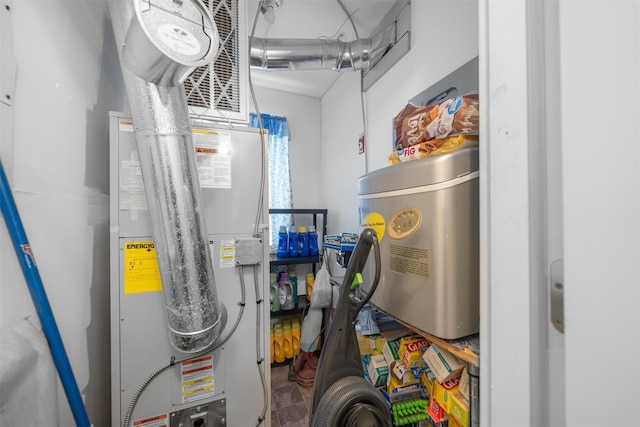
(290, 402)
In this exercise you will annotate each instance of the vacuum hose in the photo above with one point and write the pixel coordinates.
(341, 395)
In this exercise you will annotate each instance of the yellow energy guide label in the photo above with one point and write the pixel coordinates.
(141, 273)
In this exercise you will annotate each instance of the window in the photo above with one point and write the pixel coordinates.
(279, 173)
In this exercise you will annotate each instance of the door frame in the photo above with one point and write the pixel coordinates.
(514, 215)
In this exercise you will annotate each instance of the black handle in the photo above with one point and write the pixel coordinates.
(356, 264)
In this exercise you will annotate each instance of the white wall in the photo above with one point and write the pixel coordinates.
(341, 165)
(67, 79)
(444, 35)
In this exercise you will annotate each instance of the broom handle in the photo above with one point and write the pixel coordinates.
(39, 297)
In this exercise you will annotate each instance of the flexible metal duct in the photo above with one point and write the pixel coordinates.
(160, 42)
(321, 54)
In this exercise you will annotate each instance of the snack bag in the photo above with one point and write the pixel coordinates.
(431, 148)
(454, 116)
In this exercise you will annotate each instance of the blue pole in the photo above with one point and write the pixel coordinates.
(39, 296)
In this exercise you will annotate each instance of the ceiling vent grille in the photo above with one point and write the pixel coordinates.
(218, 90)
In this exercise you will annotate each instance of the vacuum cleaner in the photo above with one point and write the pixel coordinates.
(341, 395)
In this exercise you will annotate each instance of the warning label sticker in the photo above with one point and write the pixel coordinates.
(141, 273)
(157, 421)
(125, 125)
(228, 253)
(375, 221)
(213, 157)
(197, 379)
(131, 187)
(408, 260)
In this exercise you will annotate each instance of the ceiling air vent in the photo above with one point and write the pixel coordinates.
(218, 90)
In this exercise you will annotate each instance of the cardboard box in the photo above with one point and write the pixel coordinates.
(443, 364)
(400, 377)
(405, 388)
(348, 241)
(459, 409)
(427, 379)
(442, 393)
(464, 384)
(364, 344)
(437, 414)
(411, 349)
(378, 370)
(344, 242)
(366, 322)
(390, 351)
(380, 341)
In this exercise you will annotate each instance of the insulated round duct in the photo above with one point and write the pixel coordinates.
(167, 39)
(164, 41)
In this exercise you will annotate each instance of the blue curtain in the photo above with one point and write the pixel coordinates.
(279, 173)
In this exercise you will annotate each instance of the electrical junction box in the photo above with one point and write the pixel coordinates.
(249, 251)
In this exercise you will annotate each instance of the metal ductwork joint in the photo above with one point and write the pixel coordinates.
(160, 42)
(321, 54)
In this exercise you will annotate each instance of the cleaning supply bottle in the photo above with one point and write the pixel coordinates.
(294, 284)
(287, 340)
(278, 343)
(295, 332)
(310, 282)
(274, 293)
(293, 242)
(313, 241)
(303, 241)
(283, 243)
(286, 292)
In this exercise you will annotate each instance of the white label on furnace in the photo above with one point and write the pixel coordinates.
(197, 379)
(125, 125)
(178, 39)
(213, 157)
(131, 187)
(227, 253)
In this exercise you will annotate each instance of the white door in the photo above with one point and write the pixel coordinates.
(600, 93)
(561, 162)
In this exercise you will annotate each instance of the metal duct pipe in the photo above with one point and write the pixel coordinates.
(321, 54)
(159, 43)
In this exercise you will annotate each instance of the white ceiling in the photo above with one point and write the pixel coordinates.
(310, 19)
